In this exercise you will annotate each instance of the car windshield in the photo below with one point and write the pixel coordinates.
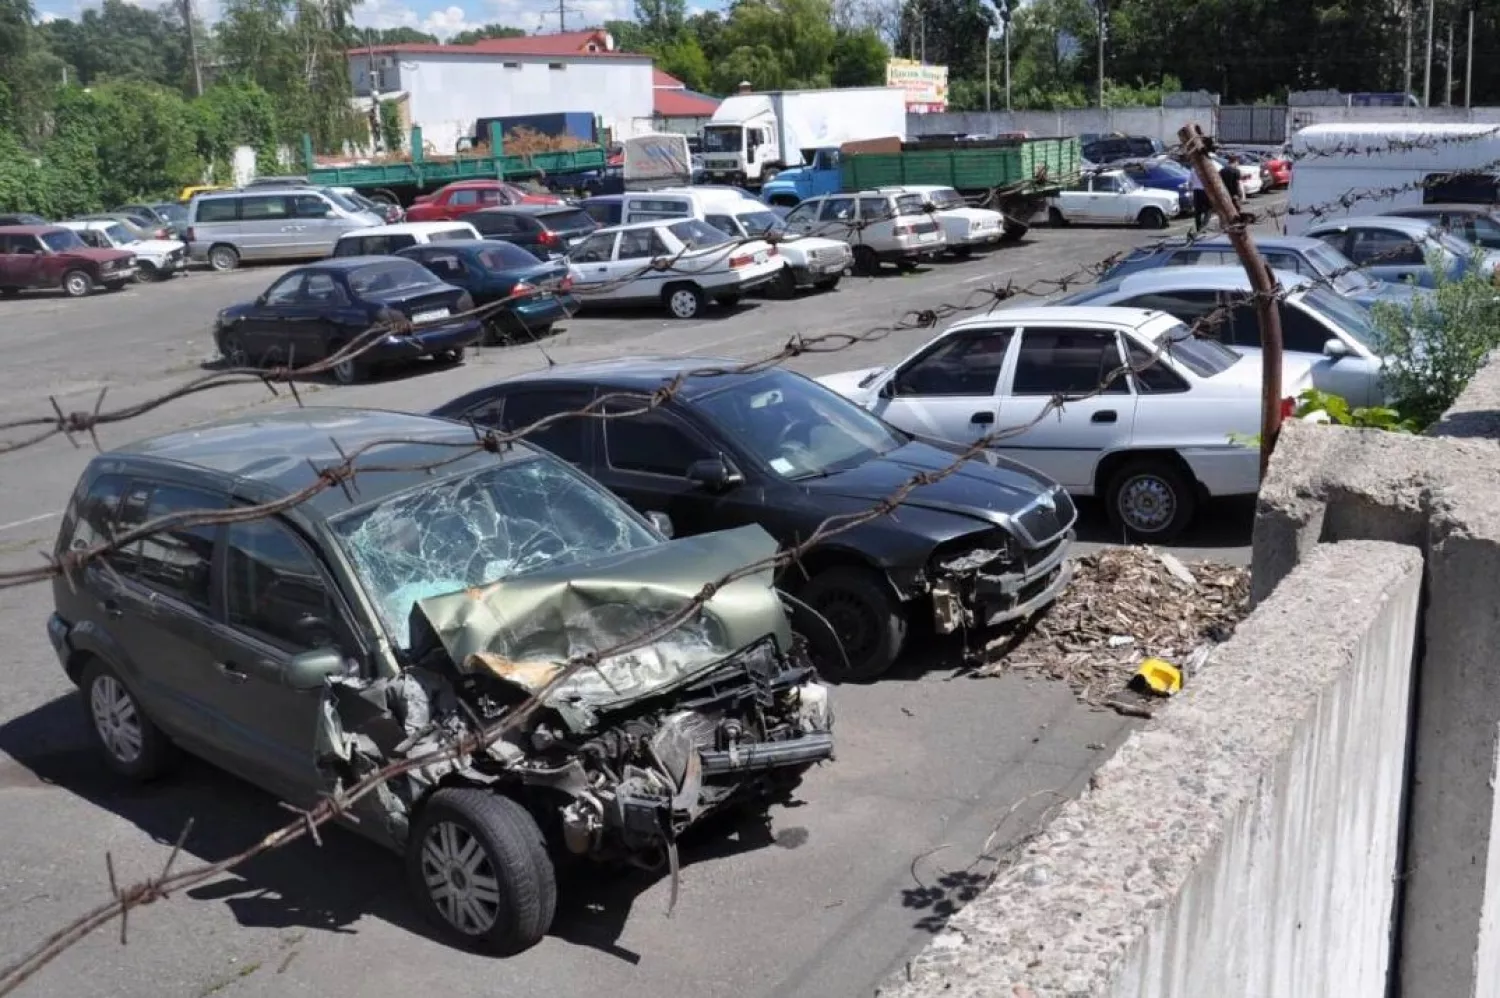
(339, 199)
(1331, 264)
(726, 138)
(507, 257)
(697, 235)
(1352, 317)
(760, 223)
(1203, 356)
(1453, 244)
(945, 198)
(1127, 183)
(389, 275)
(477, 529)
(119, 235)
(63, 240)
(797, 427)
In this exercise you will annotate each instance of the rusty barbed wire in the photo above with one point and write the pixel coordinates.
(1425, 143)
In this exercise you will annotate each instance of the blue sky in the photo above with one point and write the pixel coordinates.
(443, 18)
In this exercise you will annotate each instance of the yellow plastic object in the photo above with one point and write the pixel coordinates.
(187, 193)
(1157, 676)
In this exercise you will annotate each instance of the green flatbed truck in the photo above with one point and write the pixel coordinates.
(1013, 176)
(398, 181)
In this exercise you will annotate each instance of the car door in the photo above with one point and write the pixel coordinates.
(319, 227)
(1066, 443)
(279, 601)
(276, 323)
(1389, 255)
(458, 202)
(318, 316)
(266, 229)
(1073, 200)
(591, 262)
(803, 219)
(27, 263)
(157, 596)
(632, 271)
(948, 390)
(1106, 202)
(10, 261)
(838, 218)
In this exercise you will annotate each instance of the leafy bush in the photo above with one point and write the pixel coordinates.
(1325, 407)
(1434, 347)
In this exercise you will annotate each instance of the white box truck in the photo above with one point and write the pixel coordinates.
(1348, 170)
(753, 136)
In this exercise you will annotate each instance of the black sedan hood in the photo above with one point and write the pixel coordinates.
(985, 487)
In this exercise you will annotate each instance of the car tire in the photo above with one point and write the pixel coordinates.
(132, 745)
(829, 284)
(683, 301)
(1150, 501)
(1153, 218)
(906, 266)
(347, 372)
(232, 349)
(1055, 218)
(865, 615)
(223, 257)
(9, 292)
(963, 252)
(785, 285)
(478, 864)
(866, 261)
(454, 356)
(77, 284)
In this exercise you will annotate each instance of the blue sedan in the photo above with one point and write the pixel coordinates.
(1163, 175)
(493, 271)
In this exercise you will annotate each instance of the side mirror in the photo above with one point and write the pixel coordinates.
(311, 669)
(260, 299)
(662, 522)
(1335, 349)
(713, 474)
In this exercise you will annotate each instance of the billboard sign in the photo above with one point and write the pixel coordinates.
(926, 86)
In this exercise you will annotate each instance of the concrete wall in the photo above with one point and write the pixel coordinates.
(1245, 844)
(1155, 122)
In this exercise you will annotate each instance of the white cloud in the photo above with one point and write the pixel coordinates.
(444, 23)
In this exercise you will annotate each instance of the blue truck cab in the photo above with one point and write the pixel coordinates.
(796, 184)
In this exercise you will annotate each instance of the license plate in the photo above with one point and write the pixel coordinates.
(429, 315)
(926, 237)
(829, 268)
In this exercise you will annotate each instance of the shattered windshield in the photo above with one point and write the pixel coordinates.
(477, 529)
(798, 427)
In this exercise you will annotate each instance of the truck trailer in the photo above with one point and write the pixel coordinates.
(754, 136)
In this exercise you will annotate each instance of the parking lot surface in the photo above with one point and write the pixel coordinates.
(826, 899)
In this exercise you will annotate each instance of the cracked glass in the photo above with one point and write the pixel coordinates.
(477, 529)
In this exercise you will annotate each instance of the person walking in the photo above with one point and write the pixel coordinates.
(1230, 174)
(1200, 201)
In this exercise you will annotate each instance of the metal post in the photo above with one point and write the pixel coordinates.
(1264, 285)
(1448, 58)
(987, 39)
(1427, 75)
(1007, 62)
(1469, 63)
(1408, 16)
(1101, 51)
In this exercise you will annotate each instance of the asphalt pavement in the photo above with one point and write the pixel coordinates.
(822, 901)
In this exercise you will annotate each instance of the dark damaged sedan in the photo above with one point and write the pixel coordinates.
(307, 650)
(983, 546)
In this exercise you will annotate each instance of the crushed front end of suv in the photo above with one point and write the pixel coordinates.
(544, 671)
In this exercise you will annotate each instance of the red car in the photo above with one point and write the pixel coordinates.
(461, 197)
(1280, 169)
(50, 256)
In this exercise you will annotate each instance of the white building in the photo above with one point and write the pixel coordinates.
(449, 87)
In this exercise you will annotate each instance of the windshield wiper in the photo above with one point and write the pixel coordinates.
(865, 381)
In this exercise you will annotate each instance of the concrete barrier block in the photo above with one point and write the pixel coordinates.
(1245, 844)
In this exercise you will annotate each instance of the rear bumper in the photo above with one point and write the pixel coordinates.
(545, 311)
(451, 336)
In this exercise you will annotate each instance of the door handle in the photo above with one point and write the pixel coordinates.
(229, 672)
(1104, 416)
(982, 417)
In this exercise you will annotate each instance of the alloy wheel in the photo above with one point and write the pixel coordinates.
(460, 878)
(684, 303)
(1147, 504)
(116, 719)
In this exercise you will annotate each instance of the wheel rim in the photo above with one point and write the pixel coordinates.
(343, 371)
(460, 879)
(854, 623)
(684, 304)
(1147, 504)
(77, 285)
(222, 259)
(234, 352)
(116, 719)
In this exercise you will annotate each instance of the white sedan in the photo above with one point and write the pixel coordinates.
(1150, 444)
(156, 259)
(964, 225)
(1112, 198)
(682, 263)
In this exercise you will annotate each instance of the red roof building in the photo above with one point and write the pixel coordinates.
(674, 100)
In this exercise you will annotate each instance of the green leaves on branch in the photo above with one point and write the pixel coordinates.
(1325, 407)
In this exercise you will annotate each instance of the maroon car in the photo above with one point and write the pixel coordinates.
(49, 256)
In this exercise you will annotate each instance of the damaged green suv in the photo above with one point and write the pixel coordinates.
(439, 591)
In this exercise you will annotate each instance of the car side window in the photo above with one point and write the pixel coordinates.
(494, 224)
(177, 561)
(464, 197)
(641, 244)
(322, 289)
(94, 238)
(1067, 361)
(803, 214)
(265, 208)
(838, 210)
(595, 249)
(285, 291)
(654, 442)
(724, 224)
(93, 513)
(1106, 185)
(1282, 260)
(1300, 332)
(220, 210)
(875, 209)
(567, 437)
(967, 364)
(444, 265)
(310, 206)
(1152, 375)
(490, 195)
(274, 590)
(1382, 247)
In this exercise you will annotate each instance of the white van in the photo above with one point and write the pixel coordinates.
(1388, 166)
(811, 261)
(385, 240)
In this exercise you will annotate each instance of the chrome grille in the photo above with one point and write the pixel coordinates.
(1043, 522)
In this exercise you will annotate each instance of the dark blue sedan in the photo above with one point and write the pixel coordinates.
(312, 312)
(493, 271)
(1163, 175)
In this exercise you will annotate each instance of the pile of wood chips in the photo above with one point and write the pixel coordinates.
(1125, 605)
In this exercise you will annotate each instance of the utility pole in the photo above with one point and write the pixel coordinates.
(1448, 93)
(1005, 20)
(989, 37)
(1409, 12)
(1103, 23)
(1427, 75)
(192, 40)
(562, 15)
(1469, 62)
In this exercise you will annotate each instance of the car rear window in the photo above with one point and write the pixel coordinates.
(505, 256)
(697, 235)
(1203, 356)
(450, 234)
(909, 204)
(571, 219)
(376, 278)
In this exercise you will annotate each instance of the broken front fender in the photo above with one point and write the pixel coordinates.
(524, 629)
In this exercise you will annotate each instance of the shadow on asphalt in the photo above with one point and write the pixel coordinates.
(328, 888)
(1220, 524)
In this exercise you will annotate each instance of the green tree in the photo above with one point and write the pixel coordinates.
(859, 59)
(685, 60)
(661, 21)
(948, 33)
(487, 31)
(121, 41)
(628, 36)
(775, 44)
